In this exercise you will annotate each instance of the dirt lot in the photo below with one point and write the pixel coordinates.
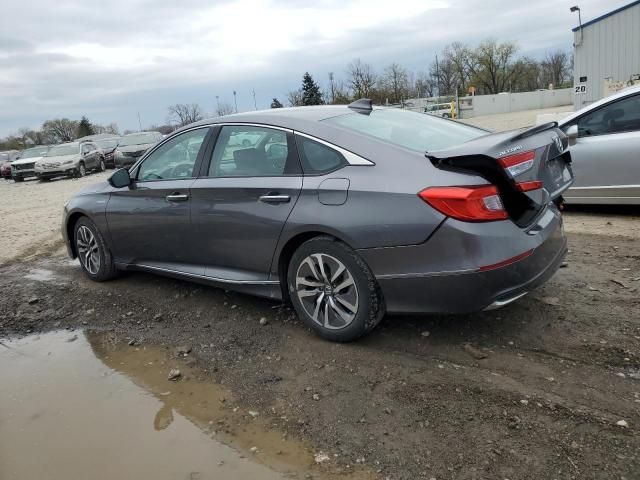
(548, 387)
(508, 121)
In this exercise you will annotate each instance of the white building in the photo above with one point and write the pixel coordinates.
(606, 54)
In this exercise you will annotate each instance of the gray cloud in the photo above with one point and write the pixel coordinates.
(113, 59)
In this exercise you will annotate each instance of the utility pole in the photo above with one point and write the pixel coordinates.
(139, 121)
(254, 99)
(218, 104)
(438, 77)
(235, 100)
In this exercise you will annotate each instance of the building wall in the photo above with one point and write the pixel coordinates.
(610, 48)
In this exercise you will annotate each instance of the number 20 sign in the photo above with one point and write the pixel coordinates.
(580, 89)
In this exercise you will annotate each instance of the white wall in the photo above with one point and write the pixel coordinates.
(514, 102)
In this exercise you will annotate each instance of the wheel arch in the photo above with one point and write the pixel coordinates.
(290, 246)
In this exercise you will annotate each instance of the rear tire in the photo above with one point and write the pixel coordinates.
(333, 291)
(81, 171)
(94, 255)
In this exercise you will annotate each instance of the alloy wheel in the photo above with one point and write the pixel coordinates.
(102, 165)
(88, 250)
(327, 291)
(81, 170)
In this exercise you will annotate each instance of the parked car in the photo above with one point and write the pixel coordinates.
(108, 147)
(133, 146)
(7, 157)
(439, 110)
(347, 211)
(72, 159)
(25, 167)
(606, 156)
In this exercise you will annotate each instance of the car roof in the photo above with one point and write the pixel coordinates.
(132, 133)
(621, 94)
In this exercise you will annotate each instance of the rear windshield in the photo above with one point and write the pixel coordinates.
(415, 131)
(110, 143)
(61, 150)
(139, 139)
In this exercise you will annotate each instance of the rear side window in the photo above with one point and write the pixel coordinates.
(317, 158)
(411, 130)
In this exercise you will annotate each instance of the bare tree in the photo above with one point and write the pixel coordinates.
(461, 61)
(396, 81)
(444, 75)
(112, 128)
(184, 114)
(527, 75)
(493, 66)
(556, 68)
(60, 130)
(224, 108)
(361, 79)
(424, 85)
(294, 98)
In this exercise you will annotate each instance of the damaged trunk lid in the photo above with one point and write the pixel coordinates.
(530, 167)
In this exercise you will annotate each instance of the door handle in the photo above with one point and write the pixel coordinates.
(274, 198)
(177, 197)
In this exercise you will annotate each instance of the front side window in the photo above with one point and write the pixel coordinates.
(175, 159)
(617, 117)
(249, 151)
(411, 130)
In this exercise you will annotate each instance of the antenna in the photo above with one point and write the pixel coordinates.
(363, 106)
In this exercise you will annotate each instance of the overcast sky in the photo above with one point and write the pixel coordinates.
(111, 59)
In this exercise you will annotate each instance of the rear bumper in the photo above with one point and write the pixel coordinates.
(443, 275)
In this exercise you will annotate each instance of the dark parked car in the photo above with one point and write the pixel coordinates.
(6, 159)
(108, 147)
(347, 211)
(133, 146)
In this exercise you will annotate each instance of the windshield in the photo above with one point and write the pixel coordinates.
(108, 144)
(138, 139)
(34, 152)
(415, 131)
(60, 150)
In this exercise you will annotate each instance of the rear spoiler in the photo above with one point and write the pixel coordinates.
(533, 130)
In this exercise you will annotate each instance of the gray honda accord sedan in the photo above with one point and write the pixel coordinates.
(346, 211)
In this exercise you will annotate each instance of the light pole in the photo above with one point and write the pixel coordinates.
(218, 103)
(255, 105)
(574, 9)
(235, 100)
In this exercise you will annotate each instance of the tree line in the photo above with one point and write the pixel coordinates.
(489, 68)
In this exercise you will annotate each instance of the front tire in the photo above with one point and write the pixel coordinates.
(102, 167)
(333, 291)
(94, 255)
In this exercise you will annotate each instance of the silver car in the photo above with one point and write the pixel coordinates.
(72, 159)
(606, 156)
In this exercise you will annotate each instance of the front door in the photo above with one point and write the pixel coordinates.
(150, 221)
(241, 203)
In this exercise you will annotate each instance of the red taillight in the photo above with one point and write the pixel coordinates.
(471, 204)
(518, 163)
(529, 186)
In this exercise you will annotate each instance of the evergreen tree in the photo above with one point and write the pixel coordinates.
(311, 94)
(85, 128)
(276, 103)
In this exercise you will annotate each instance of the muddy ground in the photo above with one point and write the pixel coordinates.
(556, 396)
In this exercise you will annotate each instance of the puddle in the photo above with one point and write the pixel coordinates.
(40, 275)
(85, 405)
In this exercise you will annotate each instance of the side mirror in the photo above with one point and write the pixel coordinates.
(572, 133)
(120, 178)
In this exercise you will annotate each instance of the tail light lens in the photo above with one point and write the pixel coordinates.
(518, 163)
(529, 186)
(480, 203)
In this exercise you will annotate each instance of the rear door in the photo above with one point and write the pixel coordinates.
(150, 221)
(250, 181)
(605, 157)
